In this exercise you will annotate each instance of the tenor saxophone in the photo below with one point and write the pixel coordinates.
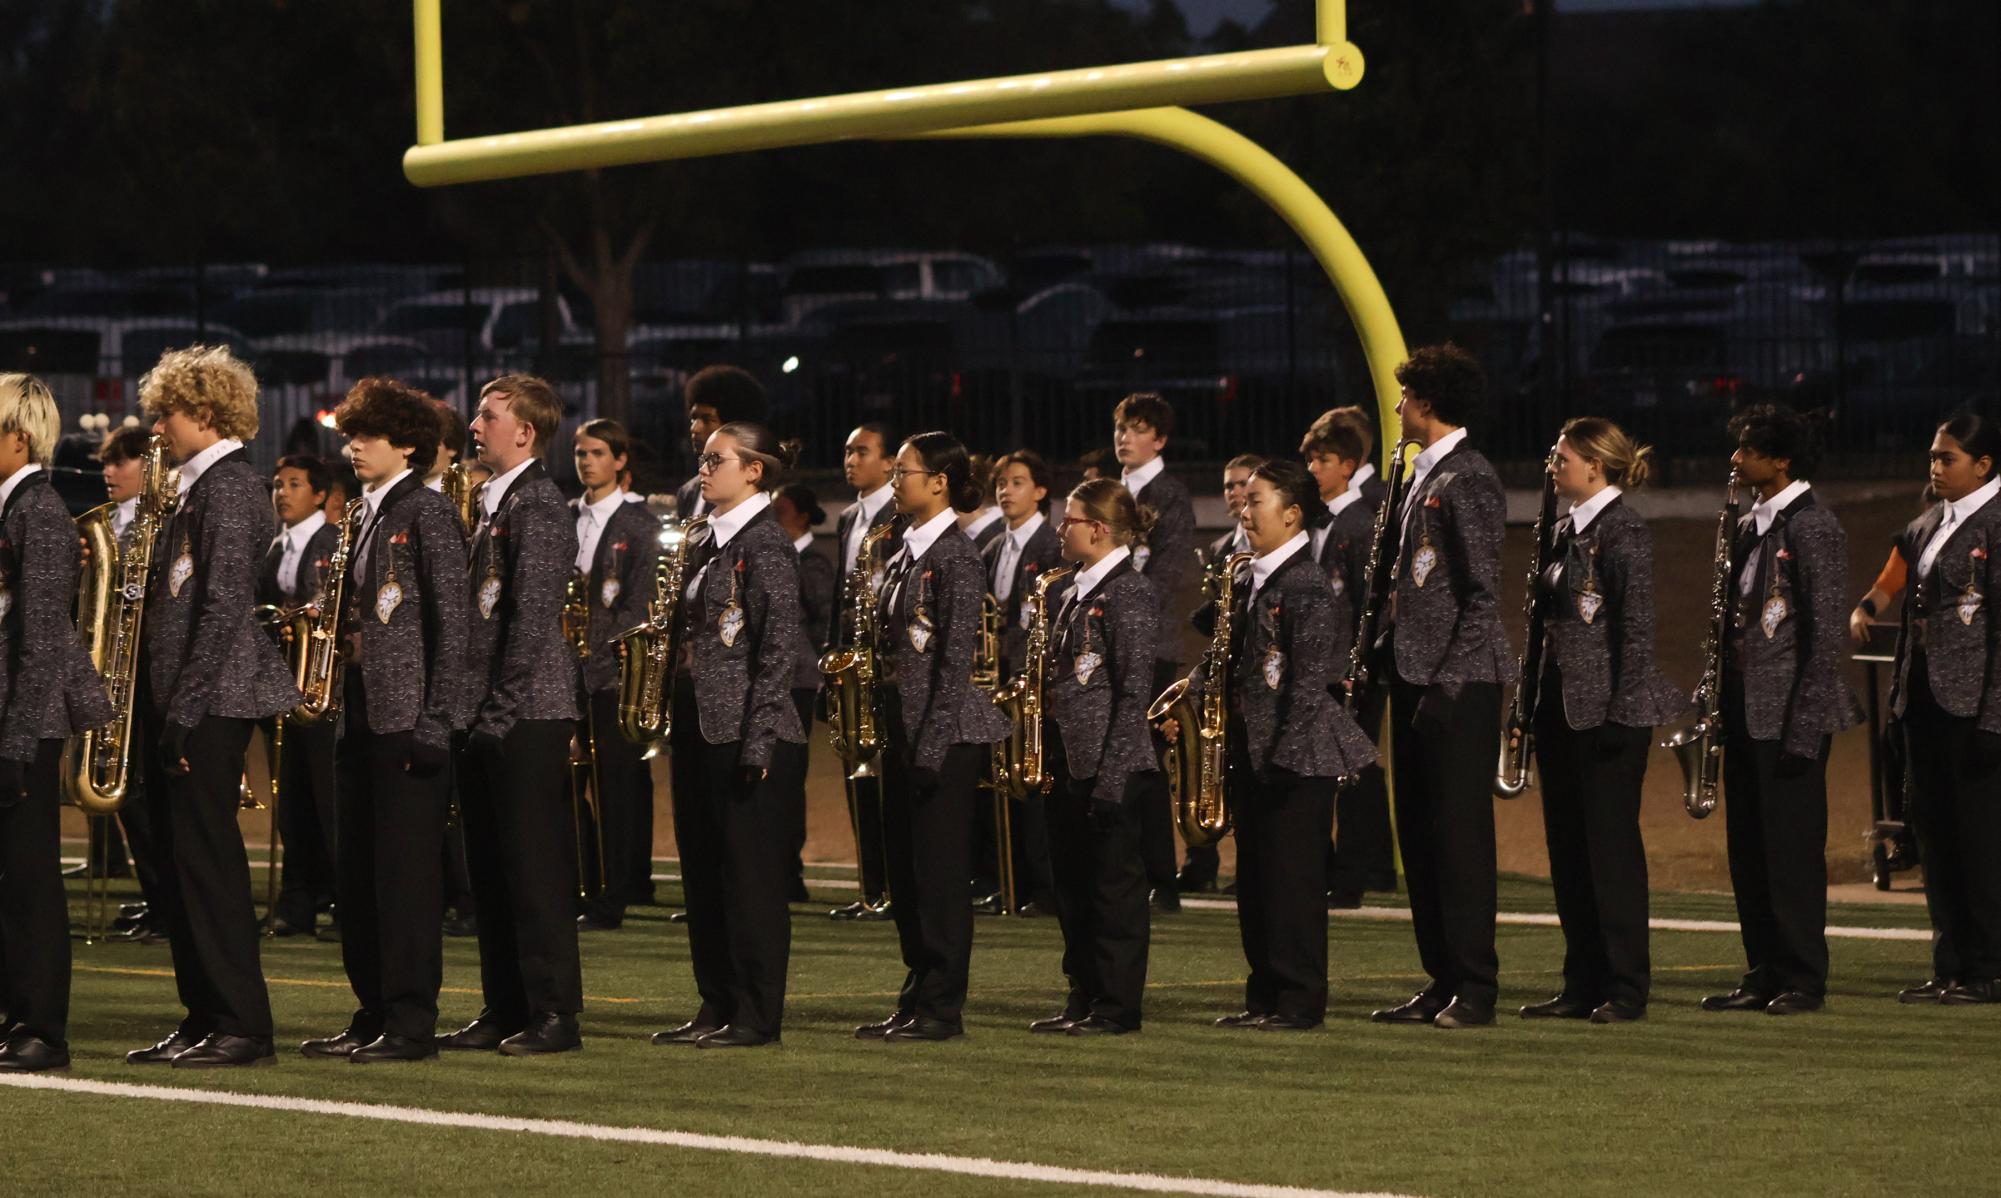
(1699, 747)
(1198, 753)
(111, 610)
(646, 651)
(851, 669)
(1019, 762)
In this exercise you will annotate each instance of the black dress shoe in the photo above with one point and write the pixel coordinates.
(131, 911)
(1167, 901)
(1098, 1025)
(1463, 1013)
(876, 1031)
(285, 928)
(848, 910)
(1056, 1024)
(1794, 1002)
(1422, 1007)
(164, 1052)
(481, 1035)
(1033, 910)
(143, 933)
(32, 1054)
(550, 1032)
(391, 1047)
(1739, 999)
(1925, 992)
(1243, 1019)
(1619, 1010)
(220, 1050)
(599, 921)
(732, 1036)
(461, 926)
(990, 905)
(1969, 994)
(1344, 900)
(924, 1029)
(876, 912)
(1286, 1023)
(1189, 883)
(687, 1033)
(336, 1046)
(678, 917)
(1563, 1006)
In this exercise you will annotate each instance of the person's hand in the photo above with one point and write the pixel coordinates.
(1858, 627)
(1105, 813)
(1434, 710)
(174, 749)
(1170, 728)
(752, 776)
(484, 741)
(13, 781)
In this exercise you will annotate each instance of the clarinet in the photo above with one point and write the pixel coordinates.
(1382, 553)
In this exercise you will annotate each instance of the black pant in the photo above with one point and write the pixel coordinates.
(1775, 815)
(1282, 829)
(1101, 896)
(521, 851)
(1156, 802)
(1958, 822)
(624, 792)
(1445, 817)
(453, 873)
(34, 911)
(1028, 849)
(929, 833)
(1363, 856)
(1597, 862)
(205, 876)
(307, 823)
(733, 842)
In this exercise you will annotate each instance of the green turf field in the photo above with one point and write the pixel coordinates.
(1866, 1098)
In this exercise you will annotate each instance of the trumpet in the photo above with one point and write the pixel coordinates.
(1699, 747)
(1198, 753)
(1514, 774)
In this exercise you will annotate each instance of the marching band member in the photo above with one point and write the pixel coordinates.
(403, 672)
(1599, 699)
(1365, 481)
(48, 692)
(1948, 694)
(1201, 863)
(984, 524)
(798, 512)
(1290, 746)
(520, 705)
(939, 732)
(207, 674)
(618, 545)
(294, 575)
(1783, 700)
(1027, 546)
(735, 739)
(1444, 660)
(1141, 425)
(714, 396)
(1096, 748)
(867, 459)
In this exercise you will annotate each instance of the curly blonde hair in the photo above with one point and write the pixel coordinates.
(208, 383)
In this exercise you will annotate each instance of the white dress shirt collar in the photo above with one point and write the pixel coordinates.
(1340, 503)
(1264, 566)
(980, 520)
(1019, 536)
(196, 466)
(1363, 473)
(435, 484)
(804, 542)
(496, 487)
(1582, 514)
(1955, 513)
(1140, 476)
(14, 480)
(726, 525)
(917, 540)
(601, 510)
(1765, 511)
(1437, 451)
(373, 496)
(1088, 580)
(298, 534)
(871, 503)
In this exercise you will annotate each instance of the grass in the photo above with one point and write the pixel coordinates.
(1867, 1097)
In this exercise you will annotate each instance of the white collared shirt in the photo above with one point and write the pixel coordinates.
(371, 498)
(917, 541)
(1956, 512)
(196, 466)
(1088, 580)
(869, 504)
(1014, 542)
(1363, 473)
(591, 519)
(294, 540)
(128, 511)
(1763, 513)
(1264, 566)
(1139, 476)
(1429, 458)
(496, 490)
(804, 542)
(724, 527)
(435, 484)
(979, 520)
(14, 480)
(1335, 506)
(1240, 541)
(1582, 514)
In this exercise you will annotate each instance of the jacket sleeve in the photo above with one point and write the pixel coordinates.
(42, 594)
(447, 614)
(1476, 528)
(543, 552)
(1820, 574)
(773, 585)
(816, 597)
(1306, 626)
(957, 589)
(1628, 573)
(1988, 717)
(232, 537)
(1171, 550)
(1130, 635)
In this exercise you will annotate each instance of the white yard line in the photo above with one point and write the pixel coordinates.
(843, 1154)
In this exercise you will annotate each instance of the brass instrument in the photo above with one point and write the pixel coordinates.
(1198, 753)
(851, 669)
(111, 609)
(1019, 759)
(646, 651)
(1699, 747)
(458, 487)
(1514, 774)
(584, 793)
(1369, 625)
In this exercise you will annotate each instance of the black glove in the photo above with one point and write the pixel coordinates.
(752, 777)
(13, 781)
(174, 748)
(1105, 813)
(1434, 710)
(1985, 751)
(482, 741)
(424, 760)
(923, 778)
(1792, 765)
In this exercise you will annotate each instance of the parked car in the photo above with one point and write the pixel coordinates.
(814, 281)
(506, 321)
(276, 311)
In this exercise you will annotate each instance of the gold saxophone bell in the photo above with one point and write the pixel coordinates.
(1197, 755)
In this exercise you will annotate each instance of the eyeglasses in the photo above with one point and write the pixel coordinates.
(899, 474)
(709, 463)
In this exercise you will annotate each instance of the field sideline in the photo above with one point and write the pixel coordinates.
(1867, 1097)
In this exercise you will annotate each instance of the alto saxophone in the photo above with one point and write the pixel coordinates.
(315, 630)
(1699, 747)
(111, 609)
(1018, 761)
(1198, 753)
(646, 651)
(851, 670)
(458, 487)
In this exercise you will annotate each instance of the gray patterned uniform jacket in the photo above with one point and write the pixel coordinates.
(203, 654)
(1344, 556)
(1282, 668)
(1169, 556)
(1100, 711)
(519, 667)
(1447, 625)
(413, 662)
(621, 585)
(934, 679)
(1793, 691)
(1043, 551)
(1607, 662)
(819, 592)
(48, 688)
(742, 634)
(1949, 617)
